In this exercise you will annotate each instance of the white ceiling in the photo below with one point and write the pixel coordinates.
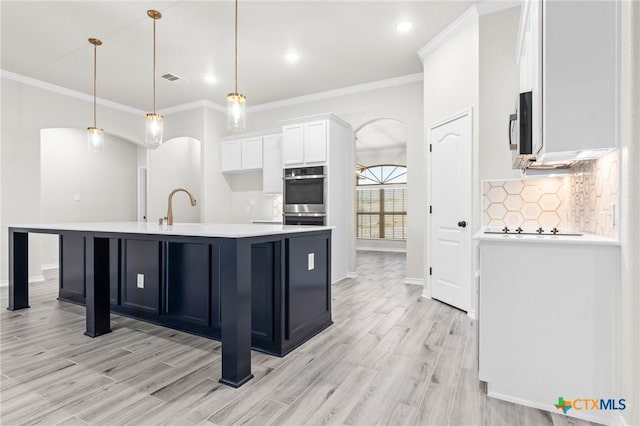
(341, 44)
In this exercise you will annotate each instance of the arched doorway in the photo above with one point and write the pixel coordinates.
(381, 207)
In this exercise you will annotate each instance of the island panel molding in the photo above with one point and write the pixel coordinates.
(237, 284)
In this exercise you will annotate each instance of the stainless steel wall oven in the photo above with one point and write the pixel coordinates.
(304, 196)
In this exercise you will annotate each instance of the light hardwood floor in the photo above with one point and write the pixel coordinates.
(391, 358)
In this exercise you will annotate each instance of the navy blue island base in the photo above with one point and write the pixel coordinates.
(298, 303)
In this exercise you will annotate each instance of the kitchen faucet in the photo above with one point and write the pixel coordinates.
(170, 203)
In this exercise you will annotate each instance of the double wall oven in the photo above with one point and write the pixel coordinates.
(304, 196)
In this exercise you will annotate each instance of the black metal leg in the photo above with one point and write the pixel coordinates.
(18, 270)
(97, 285)
(235, 305)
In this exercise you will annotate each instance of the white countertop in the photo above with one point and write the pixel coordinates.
(221, 230)
(548, 239)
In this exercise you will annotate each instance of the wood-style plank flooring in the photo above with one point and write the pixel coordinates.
(391, 358)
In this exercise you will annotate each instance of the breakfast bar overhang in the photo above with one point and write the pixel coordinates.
(301, 265)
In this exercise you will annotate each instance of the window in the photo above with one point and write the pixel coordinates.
(381, 204)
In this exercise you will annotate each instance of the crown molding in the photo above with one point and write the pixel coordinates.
(492, 6)
(205, 103)
(350, 90)
(202, 103)
(470, 15)
(67, 92)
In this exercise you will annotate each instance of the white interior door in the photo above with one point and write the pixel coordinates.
(450, 231)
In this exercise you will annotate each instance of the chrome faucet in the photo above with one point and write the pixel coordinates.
(170, 203)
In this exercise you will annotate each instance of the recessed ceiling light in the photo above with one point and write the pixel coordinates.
(292, 57)
(211, 79)
(404, 26)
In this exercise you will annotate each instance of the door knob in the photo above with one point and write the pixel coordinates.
(462, 224)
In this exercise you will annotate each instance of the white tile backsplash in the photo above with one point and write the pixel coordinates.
(585, 200)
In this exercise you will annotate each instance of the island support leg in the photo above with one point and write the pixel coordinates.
(18, 270)
(97, 286)
(235, 304)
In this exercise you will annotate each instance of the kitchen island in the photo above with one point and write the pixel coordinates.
(217, 280)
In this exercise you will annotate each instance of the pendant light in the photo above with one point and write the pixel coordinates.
(236, 101)
(95, 135)
(153, 131)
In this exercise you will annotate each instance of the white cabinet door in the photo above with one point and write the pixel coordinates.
(272, 165)
(315, 142)
(252, 153)
(580, 74)
(292, 146)
(231, 156)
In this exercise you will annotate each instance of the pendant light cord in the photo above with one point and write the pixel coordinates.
(95, 71)
(236, 40)
(154, 66)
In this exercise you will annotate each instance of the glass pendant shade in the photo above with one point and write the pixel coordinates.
(153, 131)
(236, 112)
(95, 139)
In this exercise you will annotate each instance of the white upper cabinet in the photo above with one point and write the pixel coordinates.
(242, 154)
(580, 82)
(569, 58)
(292, 144)
(305, 143)
(315, 142)
(272, 169)
(231, 156)
(252, 153)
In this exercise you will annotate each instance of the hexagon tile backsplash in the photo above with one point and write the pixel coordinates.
(585, 200)
(530, 203)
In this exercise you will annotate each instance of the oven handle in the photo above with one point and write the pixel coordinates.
(304, 214)
(304, 177)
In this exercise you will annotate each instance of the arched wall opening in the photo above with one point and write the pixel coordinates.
(380, 192)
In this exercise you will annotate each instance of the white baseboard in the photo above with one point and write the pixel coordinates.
(50, 271)
(471, 313)
(377, 244)
(387, 249)
(413, 281)
(33, 279)
(352, 275)
(426, 294)
(615, 418)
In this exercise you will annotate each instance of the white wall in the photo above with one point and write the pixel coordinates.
(105, 182)
(499, 87)
(402, 103)
(25, 111)
(476, 68)
(247, 199)
(217, 193)
(175, 164)
(630, 211)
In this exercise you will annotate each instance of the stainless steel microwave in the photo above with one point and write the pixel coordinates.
(521, 132)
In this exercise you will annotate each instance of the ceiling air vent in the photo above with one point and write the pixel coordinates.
(173, 78)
